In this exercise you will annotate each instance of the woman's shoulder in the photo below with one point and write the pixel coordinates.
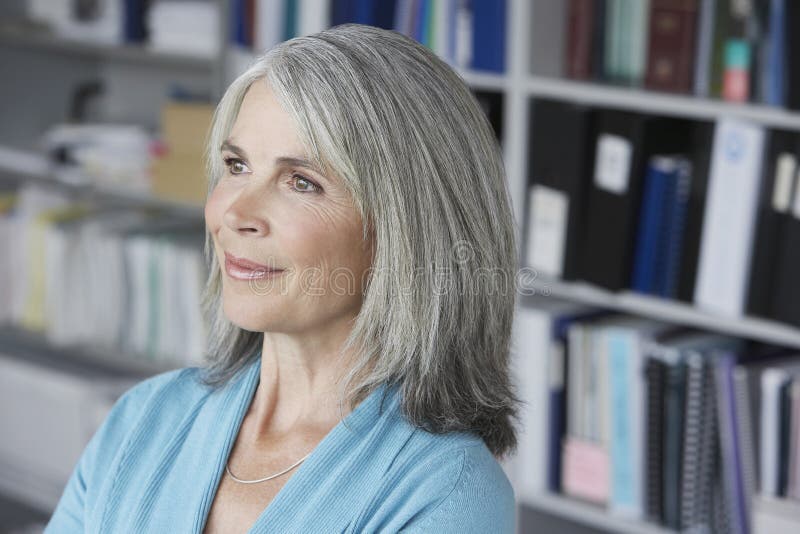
(476, 495)
(181, 382)
(462, 462)
(153, 401)
(448, 482)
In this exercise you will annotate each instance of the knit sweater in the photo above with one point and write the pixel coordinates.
(156, 461)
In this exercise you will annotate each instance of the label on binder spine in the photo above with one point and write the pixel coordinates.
(613, 163)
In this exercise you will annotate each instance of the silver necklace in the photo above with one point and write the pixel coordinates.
(227, 469)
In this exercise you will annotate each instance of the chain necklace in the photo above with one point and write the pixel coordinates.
(227, 469)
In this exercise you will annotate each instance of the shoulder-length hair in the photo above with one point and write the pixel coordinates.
(405, 134)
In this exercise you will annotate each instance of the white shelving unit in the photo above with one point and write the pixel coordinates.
(519, 86)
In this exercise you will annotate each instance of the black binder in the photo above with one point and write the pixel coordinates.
(786, 289)
(612, 216)
(770, 228)
(561, 156)
(702, 140)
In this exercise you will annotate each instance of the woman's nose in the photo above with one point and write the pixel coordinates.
(245, 215)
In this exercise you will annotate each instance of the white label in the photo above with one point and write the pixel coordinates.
(785, 168)
(547, 233)
(613, 163)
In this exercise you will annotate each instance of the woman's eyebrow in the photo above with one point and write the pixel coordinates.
(239, 151)
(292, 161)
(296, 162)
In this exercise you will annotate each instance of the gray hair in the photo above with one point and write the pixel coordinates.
(406, 135)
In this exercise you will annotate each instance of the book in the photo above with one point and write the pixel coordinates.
(580, 39)
(704, 47)
(489, 35)
(671, 48)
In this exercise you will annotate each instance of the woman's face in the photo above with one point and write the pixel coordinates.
(270, 209)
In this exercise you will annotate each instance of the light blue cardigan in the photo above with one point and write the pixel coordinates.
(155, 463)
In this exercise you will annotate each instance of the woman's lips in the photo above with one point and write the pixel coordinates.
(242, 269)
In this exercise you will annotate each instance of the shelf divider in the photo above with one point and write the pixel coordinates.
(635, 99)
(669, 311)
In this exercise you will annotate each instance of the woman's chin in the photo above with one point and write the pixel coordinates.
(252, 318)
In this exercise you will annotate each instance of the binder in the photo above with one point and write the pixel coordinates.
(702, 139)
(729, 218)
(624, 142)
(660, 173)
(675, 387)
(733, 491)
(561, 160)
(780, 170)
(699, 444)
(655, 376)
(792, 50)
(672, 233)
(786, 289)
(661, 227)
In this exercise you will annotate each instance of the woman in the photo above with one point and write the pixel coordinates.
(360, 301)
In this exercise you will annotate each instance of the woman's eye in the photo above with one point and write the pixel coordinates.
(305, 185)
(235, 165)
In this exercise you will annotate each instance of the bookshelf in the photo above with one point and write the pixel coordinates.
(522, 86)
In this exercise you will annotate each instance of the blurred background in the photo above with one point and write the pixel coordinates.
(651, 149)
